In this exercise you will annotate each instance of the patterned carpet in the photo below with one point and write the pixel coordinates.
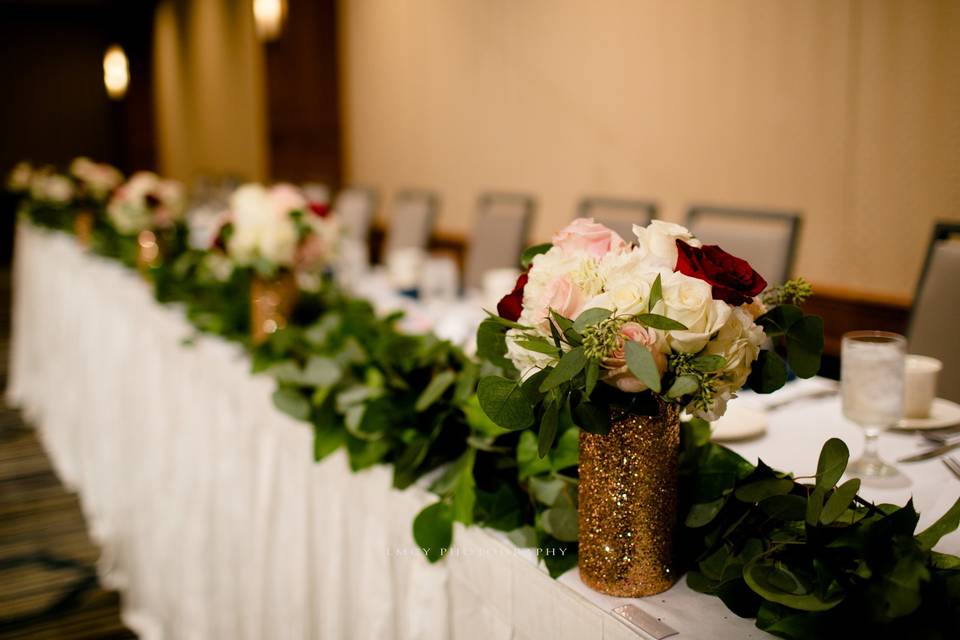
(48, 583)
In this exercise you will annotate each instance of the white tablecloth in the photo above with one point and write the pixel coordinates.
(215, 522)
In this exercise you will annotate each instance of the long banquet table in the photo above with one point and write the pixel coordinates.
(215, 522)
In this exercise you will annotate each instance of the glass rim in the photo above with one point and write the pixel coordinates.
(877, 336)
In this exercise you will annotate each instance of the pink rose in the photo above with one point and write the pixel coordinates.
(286, 198)
(618, 374)
(585, 235)
(311, 252)
(562, 296)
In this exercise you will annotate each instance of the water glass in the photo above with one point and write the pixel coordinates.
(872, 365)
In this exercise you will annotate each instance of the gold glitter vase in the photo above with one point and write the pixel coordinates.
(83, 227)
(628, 503)
(271, 302)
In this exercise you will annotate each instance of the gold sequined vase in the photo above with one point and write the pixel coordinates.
(628, 503)
(271, 302)
(83, 227)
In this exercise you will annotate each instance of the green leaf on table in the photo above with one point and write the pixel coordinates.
(292, 402)
(504, 403)
(532, 252)
(321, 371)
(589, 317)
(709, 363)
(805, 346)
(762, 489)
(548, 428)
(815, 505)
(768, 372)
(839, 500)
(567, 368)
(561, 523)
(641, 364)
(947, 523)
(774, 581)
(682, 386)
(656, 294)
(433, 530)
(435, 389)
(832, 463)
(657, 321)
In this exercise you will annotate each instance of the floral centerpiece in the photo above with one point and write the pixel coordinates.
(285, 239)
(148, 208)
(618, 338)
(95, 183)
(43, 194)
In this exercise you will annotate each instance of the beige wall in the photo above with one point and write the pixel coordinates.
(848, 110)
(208, 77)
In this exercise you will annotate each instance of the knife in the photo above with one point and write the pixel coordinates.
(932, 453)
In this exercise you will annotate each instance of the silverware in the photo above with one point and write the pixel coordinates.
(953, 464)
(943, 436)
(932, 453)
(815, 395)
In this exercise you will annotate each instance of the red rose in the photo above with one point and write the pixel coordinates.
(511, 305)
(733, 279)
(319, 209)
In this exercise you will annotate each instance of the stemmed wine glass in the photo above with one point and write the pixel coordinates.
(871, 379)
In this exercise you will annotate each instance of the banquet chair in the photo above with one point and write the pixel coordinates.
(501, 225)
(412, 214)
(765, 239)
(355, 207)
(936, 308)
(617, 213)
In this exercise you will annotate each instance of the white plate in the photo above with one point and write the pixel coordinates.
(739, 423)
(943, 413)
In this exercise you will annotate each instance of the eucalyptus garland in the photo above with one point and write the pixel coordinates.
(806, 557)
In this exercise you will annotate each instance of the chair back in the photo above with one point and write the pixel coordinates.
(765, 239)
(500, 232)
(355, 207)
(412, 215)
(618, 214)
(936, 308)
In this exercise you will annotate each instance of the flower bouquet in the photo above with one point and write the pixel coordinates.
(149, 209)
(94, 184)
(286, 240)
(618, 338)
(45, 196)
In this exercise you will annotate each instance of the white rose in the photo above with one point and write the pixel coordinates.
(690, 302)
(657, 243)
(625, 295)
(738, 341)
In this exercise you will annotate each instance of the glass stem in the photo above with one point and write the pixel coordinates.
(870, 445)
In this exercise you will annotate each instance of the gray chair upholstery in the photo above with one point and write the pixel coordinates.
(355, 207)
(765, 239)
(936, 309)
(412, 215)
(618, 214)
(499, 236)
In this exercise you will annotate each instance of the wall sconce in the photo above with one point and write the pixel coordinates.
(116, 72)
(269, 16)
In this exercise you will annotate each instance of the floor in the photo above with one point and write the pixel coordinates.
(48, 583)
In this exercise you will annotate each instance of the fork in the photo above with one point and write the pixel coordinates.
(953, 464)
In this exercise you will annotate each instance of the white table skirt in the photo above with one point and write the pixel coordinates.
(213, 519)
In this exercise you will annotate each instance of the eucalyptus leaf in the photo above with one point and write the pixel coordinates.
(548, 428)
(292, 402)
(805, 346)
(321, 371)
(839, 500)
(592, 418)
(767, 373)
(761, 489)
(947, 523)
(435, 389)
(641, 364)
(709, 363)
(832, 463)
(561, 523)
(656, 294)
(433, 530)
(590, 317)
(503, 402)
(815, 505)
(570, 365)
(777, 584)
(657, 321)
(592, 374)
(539, 345)
(682, 386)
